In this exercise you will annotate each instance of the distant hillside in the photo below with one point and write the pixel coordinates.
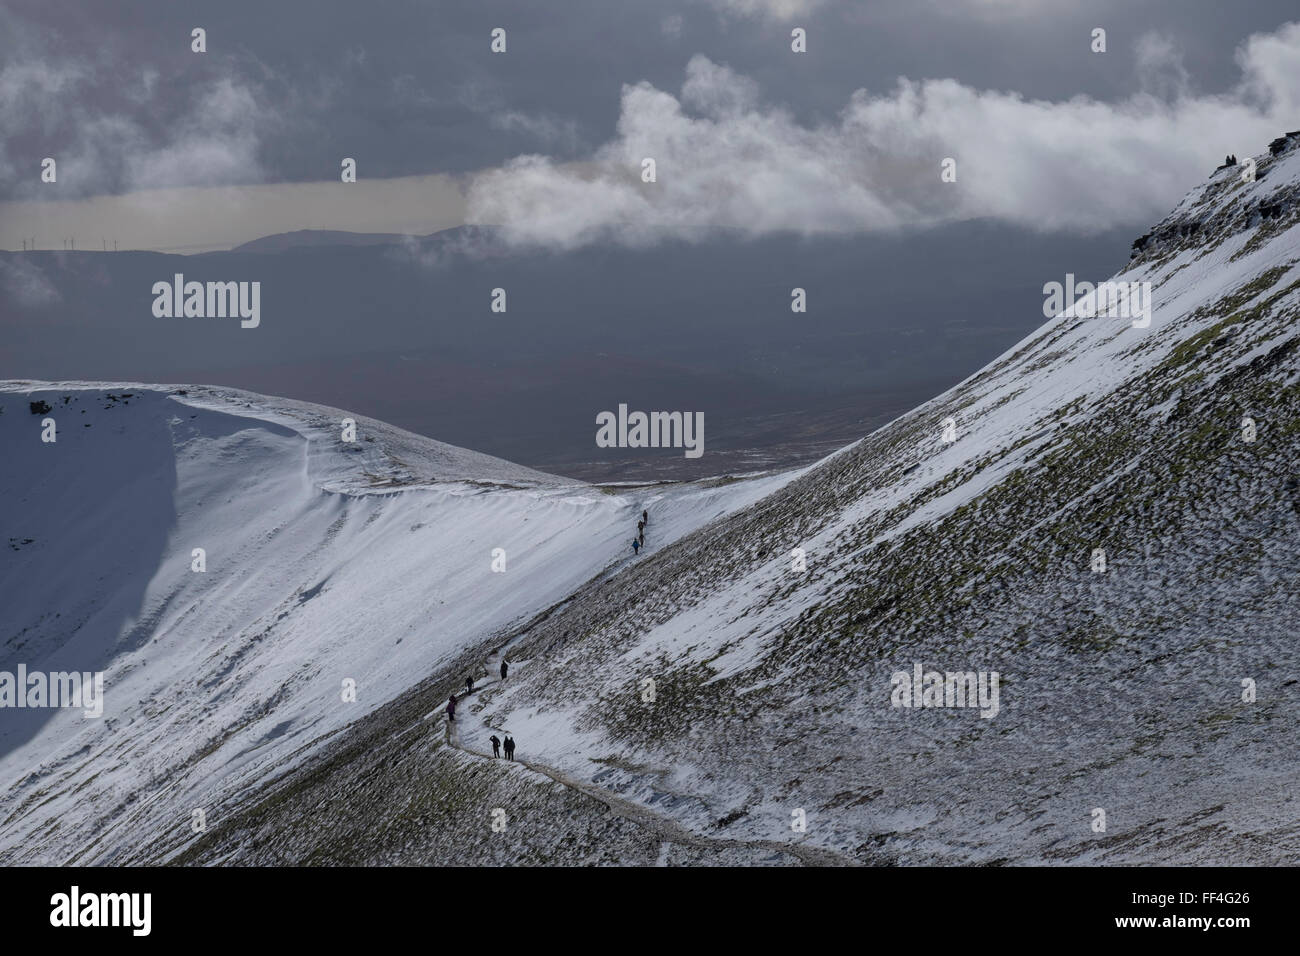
(403, 332)
(318, 237)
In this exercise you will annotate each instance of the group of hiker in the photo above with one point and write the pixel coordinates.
(639, 541)
(469, 689)
(509, 745)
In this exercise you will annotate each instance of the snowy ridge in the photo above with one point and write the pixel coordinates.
(325, 561)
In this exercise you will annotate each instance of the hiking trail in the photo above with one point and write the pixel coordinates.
(668, 831)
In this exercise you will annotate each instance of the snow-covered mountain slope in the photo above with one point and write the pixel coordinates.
(1147, 712)
(324, 561)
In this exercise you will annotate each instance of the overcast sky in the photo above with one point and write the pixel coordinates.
(161, 147)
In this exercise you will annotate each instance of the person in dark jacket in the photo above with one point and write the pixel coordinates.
(496, 746)
(510, 747)
(504, 668)
(636, 546)
(645, 517)
(451, 708)
(469, 685)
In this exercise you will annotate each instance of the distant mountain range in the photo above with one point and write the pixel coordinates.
(282, 241)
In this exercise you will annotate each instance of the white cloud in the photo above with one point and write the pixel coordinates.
(29, 98)
(726, 161)
(1160, 66)
(783, 10)
(549, 130)
(216, 144)
(215, 141)
(27, 284)
(1271, 70)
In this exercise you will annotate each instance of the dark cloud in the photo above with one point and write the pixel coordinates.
(287, 88)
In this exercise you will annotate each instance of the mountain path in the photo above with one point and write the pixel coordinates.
(667, 830)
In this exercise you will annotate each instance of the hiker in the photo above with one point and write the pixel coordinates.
(496, 746)
(636, 546)
(640, 528)
(451, 709)
(503, 668)
(469, 684)
(642, 539)
(645, 517)
(510, 747)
